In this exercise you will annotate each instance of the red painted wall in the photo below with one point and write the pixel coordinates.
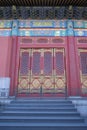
(5, 56)
(13, 67)
(9, 61)
(74, 84)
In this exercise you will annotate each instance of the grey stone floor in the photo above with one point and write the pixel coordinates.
(81, 105)
(79, 102)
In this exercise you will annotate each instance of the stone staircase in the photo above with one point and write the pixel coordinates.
(41, 114)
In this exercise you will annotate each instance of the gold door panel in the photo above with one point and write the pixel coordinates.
(83, 70)
(48, 86)
(59, 71)
(24, 71)
(35, 71)
(41, 71)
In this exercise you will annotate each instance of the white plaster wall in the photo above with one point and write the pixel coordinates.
(81, 105)
(4, 87)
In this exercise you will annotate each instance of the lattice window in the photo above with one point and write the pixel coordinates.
(85, 13)
(42, 40)
(59, 12)
(41, 13)
(26, 40)
(47, 63)
(49, 12)
(36, 63)
(1, 12)
(78, 12)
(7, 13)
(57, 40)
(59, 63)
(18, 12)
(82, 40)
(35, 13)
(25, 12)
(24, 64)
(69, 12)
(83, 56)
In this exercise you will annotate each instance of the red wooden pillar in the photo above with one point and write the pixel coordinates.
(14, 56)
(73, 67)
(13, 65)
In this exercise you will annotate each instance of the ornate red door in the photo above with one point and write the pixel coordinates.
(47, 72)
(41, 72)
(83, 70)
(59, 72)
(24, 71)
(36, 68)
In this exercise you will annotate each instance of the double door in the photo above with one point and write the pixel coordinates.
(83, 70)
(41, 72)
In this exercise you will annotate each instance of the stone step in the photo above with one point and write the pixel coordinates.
(42, 101)
(40, 114)
(36, 117)
(29, 113)
(42, 126)
(43, 120)
(51, 109)
(41, 104)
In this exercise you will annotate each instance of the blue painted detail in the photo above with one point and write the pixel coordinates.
(5, 32)
(70, 32)
(85, 24)
(63, 24)
(80, 33)
(79, 24)
(43, 28)
(60, 33)
(24, 24)
(21, 24)
(8, 24)
(70, 28)
(15, 28)
(69, 24)
(5, 23)
(42, 24)
(42, 32)
(85, 33)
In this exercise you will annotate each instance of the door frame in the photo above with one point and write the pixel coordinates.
(43, 45)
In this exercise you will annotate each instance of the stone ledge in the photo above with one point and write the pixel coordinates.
(81, 104)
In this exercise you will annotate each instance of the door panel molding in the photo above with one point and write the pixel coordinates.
(83, 69)
(45, 73)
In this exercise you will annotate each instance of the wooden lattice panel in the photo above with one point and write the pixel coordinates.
(35, 71)
(82, 40)
(41, 71)
(41, 40)
(24, 71)
(59, 72)
(48, 86)
(83, 70)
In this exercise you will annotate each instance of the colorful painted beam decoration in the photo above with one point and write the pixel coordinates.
(23, 32)
(5, 32)
(41, 32)
(80, 24)
(43, 28)
(42, 24)
(5, 23)
(80, 32)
